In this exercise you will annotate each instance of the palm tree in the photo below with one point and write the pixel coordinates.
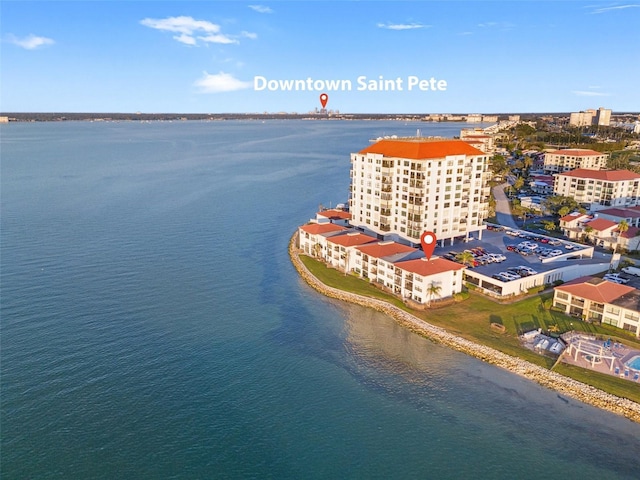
(587, 230)
(623, 226)
(466, 258)
(518, 184)
(433, 290)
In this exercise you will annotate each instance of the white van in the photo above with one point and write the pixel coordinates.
(632, 271)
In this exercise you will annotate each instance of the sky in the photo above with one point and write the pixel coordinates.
(233, 56)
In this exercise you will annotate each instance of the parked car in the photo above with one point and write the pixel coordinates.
(511, 248)
(497, 257)
(616, 277)
(526, 270)
(509, 276)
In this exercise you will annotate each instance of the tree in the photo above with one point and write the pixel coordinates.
(432, 291)
(588, 230)
(466, 258)
(556, 202)
(519, 183)
(623, 226)
(549, 225)
(499, 166)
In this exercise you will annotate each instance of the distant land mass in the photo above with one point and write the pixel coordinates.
(104, 116)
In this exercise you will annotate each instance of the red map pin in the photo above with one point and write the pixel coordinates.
(428, 241)
(324, 98)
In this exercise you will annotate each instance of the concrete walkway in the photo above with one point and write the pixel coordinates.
(503, 210)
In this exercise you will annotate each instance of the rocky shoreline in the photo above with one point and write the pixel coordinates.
(561, 384)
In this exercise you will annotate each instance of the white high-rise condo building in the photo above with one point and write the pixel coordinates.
(599, 189)
(401, 188)
(572, 158)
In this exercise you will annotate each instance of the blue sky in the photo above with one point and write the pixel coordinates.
(202, 56)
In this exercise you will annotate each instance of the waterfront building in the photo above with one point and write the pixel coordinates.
(340, 249)
(599, 189)
(598, 300)
(413, 279)
(401, 188)
(572, 158)
(337, 216)
(371, 260)
(312, 238)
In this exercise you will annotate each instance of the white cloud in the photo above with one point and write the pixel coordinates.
(250, 35)
(182, 24)
(189, 28)
(221, 82)
(186, 39)
(31, 42)
(465, 33)
(402, 26)
(261, 8)
(616, 7)
(219, 38)
(584, 93)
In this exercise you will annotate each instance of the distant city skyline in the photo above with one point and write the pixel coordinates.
(203, 57)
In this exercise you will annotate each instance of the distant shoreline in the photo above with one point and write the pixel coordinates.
(546, 378)
(123, 116)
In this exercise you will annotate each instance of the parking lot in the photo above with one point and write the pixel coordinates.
(518, 249)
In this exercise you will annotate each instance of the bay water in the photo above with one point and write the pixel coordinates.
(152, 325)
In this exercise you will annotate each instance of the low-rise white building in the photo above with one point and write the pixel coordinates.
(414, 279)
(312, 238)
(340, 252)
(597, 300)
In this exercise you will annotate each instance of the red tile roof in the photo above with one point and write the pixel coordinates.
(601, 224)
(351, 239)
(576, 152)
(607, 175)
(631, 232)
(421, 149)
(596, 289)
(573, 216)
(425, 267)
(621, 212)
(334, 214)
(384, 249)
(316, 228)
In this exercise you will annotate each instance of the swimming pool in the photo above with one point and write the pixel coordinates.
(634, 363)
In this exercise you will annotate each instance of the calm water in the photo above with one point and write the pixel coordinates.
(153, 327)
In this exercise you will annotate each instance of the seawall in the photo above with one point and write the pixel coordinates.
(564, 385)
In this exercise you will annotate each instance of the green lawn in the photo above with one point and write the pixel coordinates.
(471, 319)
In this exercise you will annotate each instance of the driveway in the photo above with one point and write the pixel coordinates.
(503, 210)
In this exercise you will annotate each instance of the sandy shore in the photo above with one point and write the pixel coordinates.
(564, 385)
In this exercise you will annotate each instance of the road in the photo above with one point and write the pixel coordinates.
(503, 211)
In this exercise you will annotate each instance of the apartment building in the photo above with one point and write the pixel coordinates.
(403, 187)
(599, 189)
(598, 300)
(571, 158)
